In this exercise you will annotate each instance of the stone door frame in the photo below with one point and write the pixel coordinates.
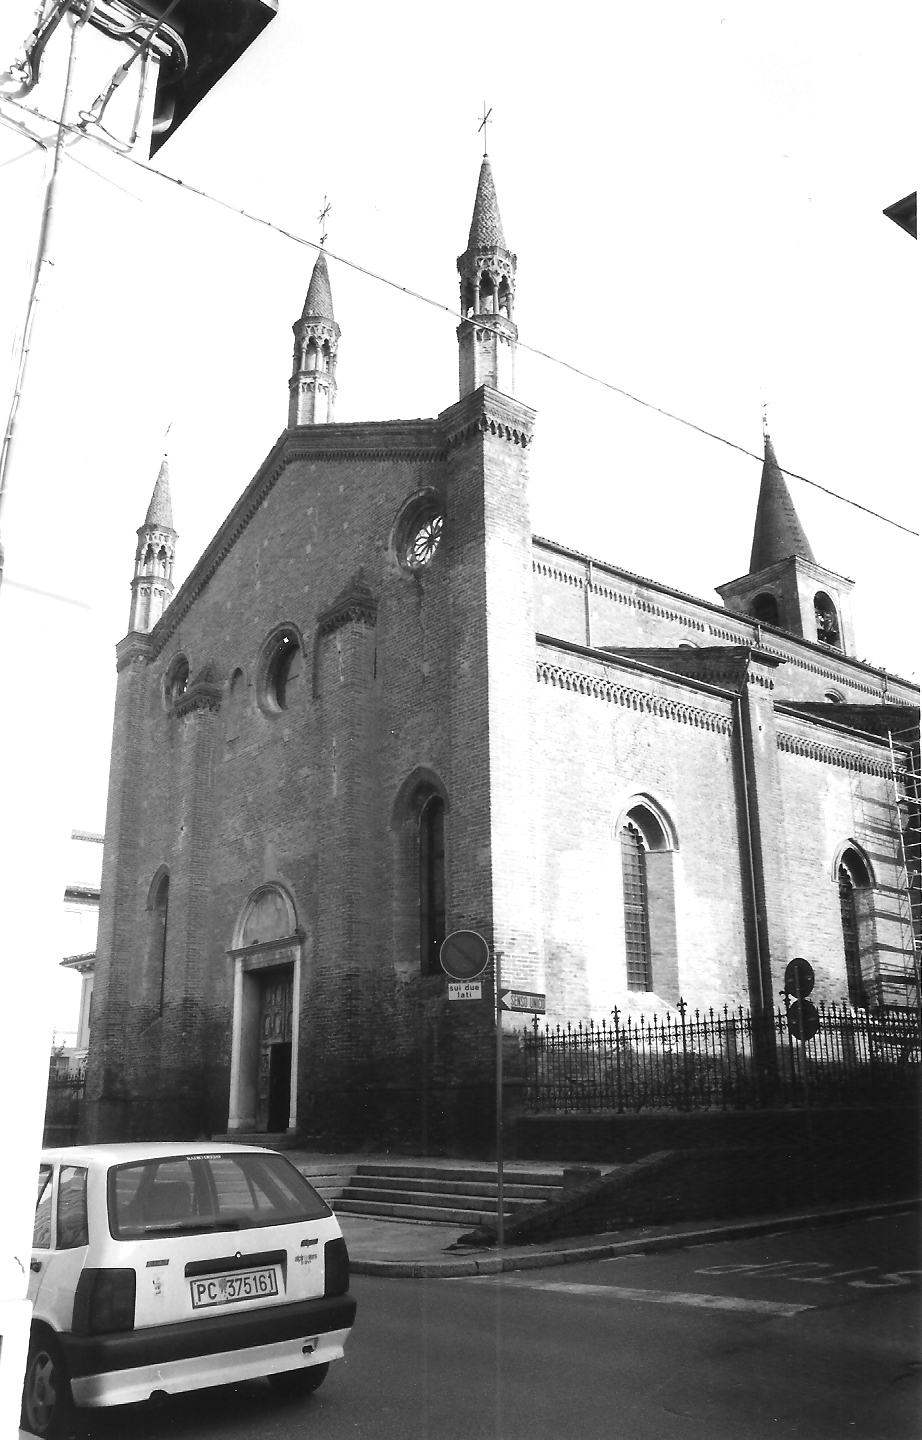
(249, 965)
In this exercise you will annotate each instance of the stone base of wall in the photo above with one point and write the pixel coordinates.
(452, 1120)
(721, 1166)
(181, 1105)
(623, 1138)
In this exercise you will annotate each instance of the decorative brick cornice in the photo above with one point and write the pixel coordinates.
(728, 667)
(134, 647)
(598, 688)
(755, 677)
(356, 602)
(831, 755)
(487, 411)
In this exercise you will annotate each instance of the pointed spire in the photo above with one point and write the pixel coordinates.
(152, 586)
(160, 509)
(312, 386)
(486, 348)
(778, 533)
(486, 225)
(319, 301)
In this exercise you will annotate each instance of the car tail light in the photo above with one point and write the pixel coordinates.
(104, 1302)
(335, 1267)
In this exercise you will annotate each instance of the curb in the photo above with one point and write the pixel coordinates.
(494, 1264)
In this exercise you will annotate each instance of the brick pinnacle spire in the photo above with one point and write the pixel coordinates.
(160, 510)
(778, 532)
(312, 387)
(152, 586)
(487, 335)
(486, 225)
(319, 301)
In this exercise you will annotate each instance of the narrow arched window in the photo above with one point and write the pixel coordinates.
(636, 917)
(234, 708)
(827, 621)
(159, 925)
(852, 875)
(431, 884)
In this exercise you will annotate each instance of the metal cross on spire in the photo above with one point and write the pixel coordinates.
(322, 217)
(484, 123)
(764, 419)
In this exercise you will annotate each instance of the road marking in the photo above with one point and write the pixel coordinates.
(653, 1297)
(785, 1270)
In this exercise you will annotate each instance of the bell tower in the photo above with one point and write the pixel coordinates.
(152, 586)
(486, 340)
(785, 587)
(312, 387)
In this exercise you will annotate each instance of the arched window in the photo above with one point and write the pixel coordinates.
(431, 884)
(764, 608)
(176, 682)
(159, 911)
(234, 708)
(636, 918)
(827, 621)
(852, 875)
(285, 672)
(505, 297)
(648, 847)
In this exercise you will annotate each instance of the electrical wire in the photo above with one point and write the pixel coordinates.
(482, 320)
(47, 594)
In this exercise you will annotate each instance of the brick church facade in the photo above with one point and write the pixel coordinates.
(379, 710)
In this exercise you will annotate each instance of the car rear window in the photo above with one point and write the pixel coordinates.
(185, 1194)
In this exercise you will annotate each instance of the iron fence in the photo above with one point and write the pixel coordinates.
(722, 1060)
(62, 1107)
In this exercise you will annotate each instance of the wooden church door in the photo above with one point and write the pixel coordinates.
(273, 1086)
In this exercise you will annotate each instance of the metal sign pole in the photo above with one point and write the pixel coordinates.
(497, 958)
(799, 992)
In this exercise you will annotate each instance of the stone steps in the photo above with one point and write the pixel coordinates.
(476, 1189)
(445, 1194)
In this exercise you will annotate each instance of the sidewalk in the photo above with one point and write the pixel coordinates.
(421, 1249)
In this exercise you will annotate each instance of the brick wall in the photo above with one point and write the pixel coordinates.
(599, 744)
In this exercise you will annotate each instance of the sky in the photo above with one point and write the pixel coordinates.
(694, 193)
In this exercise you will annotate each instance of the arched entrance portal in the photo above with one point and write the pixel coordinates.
(267, 983)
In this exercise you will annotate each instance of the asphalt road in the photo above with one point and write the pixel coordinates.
(813, 1334)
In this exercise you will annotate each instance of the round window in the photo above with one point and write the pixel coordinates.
(419, 530)
(424, 542)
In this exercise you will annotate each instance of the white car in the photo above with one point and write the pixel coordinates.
(161, 1267)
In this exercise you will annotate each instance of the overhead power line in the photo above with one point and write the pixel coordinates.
(482, 320)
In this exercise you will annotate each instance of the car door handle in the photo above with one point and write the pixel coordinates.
(35, 1266)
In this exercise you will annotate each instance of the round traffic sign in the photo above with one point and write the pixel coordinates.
(799, 978)
(464, 954)
(803, 1020)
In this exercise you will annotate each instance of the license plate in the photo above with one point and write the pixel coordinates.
(228, 1289)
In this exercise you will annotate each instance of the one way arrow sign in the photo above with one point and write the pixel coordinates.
(520, 1000)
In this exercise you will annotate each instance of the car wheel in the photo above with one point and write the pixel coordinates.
(294, 1383)
(47, 1407)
